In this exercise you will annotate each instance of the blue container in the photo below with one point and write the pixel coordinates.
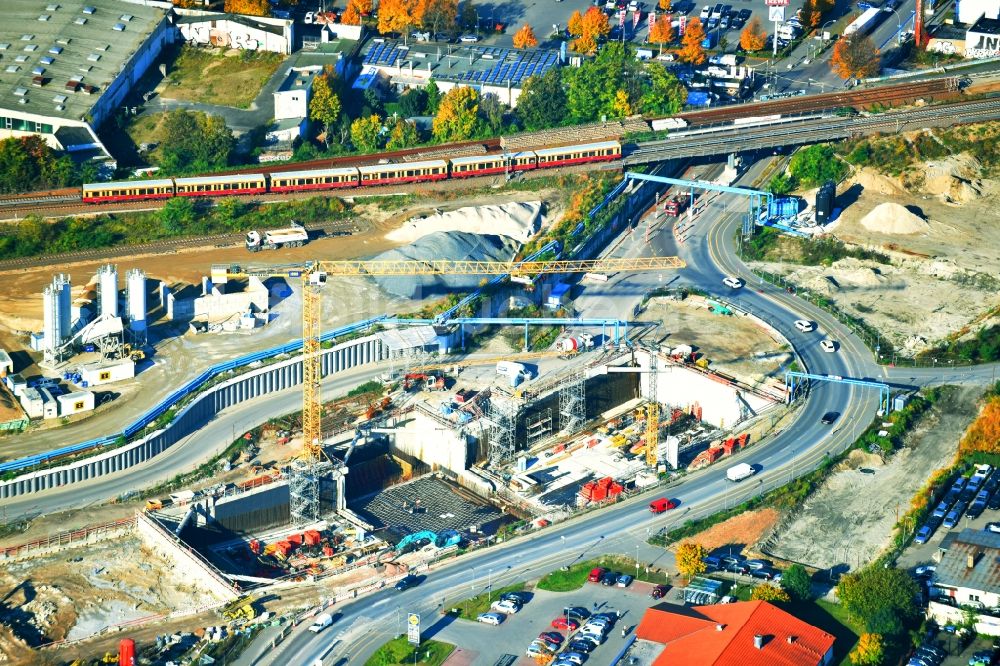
(783, 207)
(446, 409)
(696, 98)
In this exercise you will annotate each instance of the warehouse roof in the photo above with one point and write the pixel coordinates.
(986, 25)
(983, 549)
(58, 56)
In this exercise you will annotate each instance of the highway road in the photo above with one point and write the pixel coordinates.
(365, 624)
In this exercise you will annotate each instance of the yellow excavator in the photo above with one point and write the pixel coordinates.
(240, 609)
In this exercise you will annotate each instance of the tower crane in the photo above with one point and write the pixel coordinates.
(314, 275)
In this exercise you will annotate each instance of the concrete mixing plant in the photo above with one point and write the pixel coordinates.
(135, 300)
(107, 290)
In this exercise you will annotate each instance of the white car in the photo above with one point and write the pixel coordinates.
(706, 11)
(732, 282)
(633, 6)
(491, 618)
(536, 650)
(804, 325)
(470, 39)
(506, 606)
(666, 57)
(829, 346)
(310, 17)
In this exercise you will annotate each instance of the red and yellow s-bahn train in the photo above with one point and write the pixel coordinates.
(364, 176)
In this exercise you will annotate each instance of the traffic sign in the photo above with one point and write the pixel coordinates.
(413, 628)
(776, 13)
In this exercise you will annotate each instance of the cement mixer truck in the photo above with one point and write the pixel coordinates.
(575, 344)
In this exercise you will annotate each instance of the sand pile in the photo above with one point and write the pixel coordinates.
(846, 275)
(955, 179)
(892, 218)
(519, 221)
(875, 182)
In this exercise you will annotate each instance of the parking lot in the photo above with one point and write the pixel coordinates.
(486, 645)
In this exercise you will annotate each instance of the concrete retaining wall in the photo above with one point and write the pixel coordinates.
(195, 415)
(426, 440)
(195, 569)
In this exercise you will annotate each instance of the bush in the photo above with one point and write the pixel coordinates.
(815, 165)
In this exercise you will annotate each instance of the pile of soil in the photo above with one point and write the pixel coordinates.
(892, 218)
(955, 179)
(517, 220)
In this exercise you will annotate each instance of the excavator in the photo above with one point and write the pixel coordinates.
(239, 609)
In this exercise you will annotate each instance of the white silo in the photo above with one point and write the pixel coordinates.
(107, 289)
(50, 316)
(135, 300)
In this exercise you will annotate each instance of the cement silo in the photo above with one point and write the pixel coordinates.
(107, 290)
(135, 304)
(57, 305)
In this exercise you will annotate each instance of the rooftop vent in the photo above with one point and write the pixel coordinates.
(39, 81)
(126, 17)
(94, 57)
(46, 60)
(27, 38)
(791, 639)
(52, 7)
(31, 47)
(59, 99)
(22, 100)
(21, 58)
(38, 71)
(80, 20)
(12, 69)
(55, 50)
(105, 47)
(87, 9)
(20, 92)
(60, 107)
(44, 17)
(758, 642)
(118, 27)
(4, 46)
(720, 627)
(64, 41)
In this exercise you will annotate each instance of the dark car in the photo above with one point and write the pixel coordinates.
(744, 14)
(406, 583)
(586, 647)
(610, 579)
(659, 591)
(552, 636)
(576, 612)
(829, 418)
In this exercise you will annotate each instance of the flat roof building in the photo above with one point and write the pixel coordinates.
(66, 65)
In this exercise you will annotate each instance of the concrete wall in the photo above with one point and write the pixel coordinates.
(428, 441)
(192, 567)
(943, 614)
(220, 304)
(196, 414)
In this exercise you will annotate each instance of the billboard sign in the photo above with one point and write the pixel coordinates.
(413, 628)
(777, 3)
(776, 13)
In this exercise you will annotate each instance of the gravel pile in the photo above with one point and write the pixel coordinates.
(444, 245)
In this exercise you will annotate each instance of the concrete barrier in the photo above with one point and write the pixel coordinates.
(193, 416)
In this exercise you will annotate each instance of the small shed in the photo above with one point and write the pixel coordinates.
(559, 296)
(75, 402)
(6, 363)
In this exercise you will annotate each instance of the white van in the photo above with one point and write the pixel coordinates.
(322, 621)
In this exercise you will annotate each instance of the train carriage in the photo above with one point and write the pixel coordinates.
(208, 186)
(132, 190)
(485, 165)
(580, 154)
(389, 174)
(320, 179)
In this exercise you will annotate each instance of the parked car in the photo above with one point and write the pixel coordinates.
(659, 591)
(992, 527)
(624, 580)
(573, 657)
(536, 650)
(552, 646)
(506, 606)
(925, 571)
(706, 11)
(923, 534)
(596, 574)
(952, 518)
(579, 645)
(578, 612)
(610, 578)
(491, 618)
(516, 597)
(469, 39)
(565, 623)
(757, 564)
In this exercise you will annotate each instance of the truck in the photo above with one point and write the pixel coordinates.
(661, 505)
(864, 23)
(674, 206)
(739, 472)
(294, 235)
(576, 343)
(724, 59)
(322, 621)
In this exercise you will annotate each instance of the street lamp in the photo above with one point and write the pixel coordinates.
(636, 560)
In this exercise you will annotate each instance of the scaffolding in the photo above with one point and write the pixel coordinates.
(539, 426)
(501, 420)
(304, 490)
(573, 403)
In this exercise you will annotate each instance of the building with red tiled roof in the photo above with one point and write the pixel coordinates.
(748, 633)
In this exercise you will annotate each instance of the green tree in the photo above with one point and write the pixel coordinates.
(781, 183)
(592, 88)
(365, 133)
(815, 165)
(433, 98)
(403, 135)
(870, 650)
(457, 115)
(194, 141)
(769, 592)
(229, 211)
(413, 102)
(176, 215)
(796, 581)
(880, 598)
(324, 107)
(216, 144)
(542, 103)
(491, 112)
(665, 94)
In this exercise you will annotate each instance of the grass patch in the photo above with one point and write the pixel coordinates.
(210, 76)
(471, 608)
(771, 245)
(833, 619)
(573, 577)
(398, 651)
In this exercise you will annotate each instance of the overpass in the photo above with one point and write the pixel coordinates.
(799, 130)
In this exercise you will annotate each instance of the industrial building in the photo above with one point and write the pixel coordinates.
(236, 31)
(69, 64)
(496, 70)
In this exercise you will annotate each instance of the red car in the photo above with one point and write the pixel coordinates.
(660, 591)
(565, 624)
(553, 636)
(662, 504)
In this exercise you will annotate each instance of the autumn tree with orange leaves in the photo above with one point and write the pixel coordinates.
(810, 15)
(396, 16)
(355, 11)
(855, 58)
(984, 433)
(691, 49)
(525, 38)
(575, 24)
(436, 15)
(248, 7)
(754, 37)
(664, 5)
(662, 32)
(588, 29)
(184, 4)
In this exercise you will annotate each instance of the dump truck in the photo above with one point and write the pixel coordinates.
(294, 235)
(739, 472)
(674, 206)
